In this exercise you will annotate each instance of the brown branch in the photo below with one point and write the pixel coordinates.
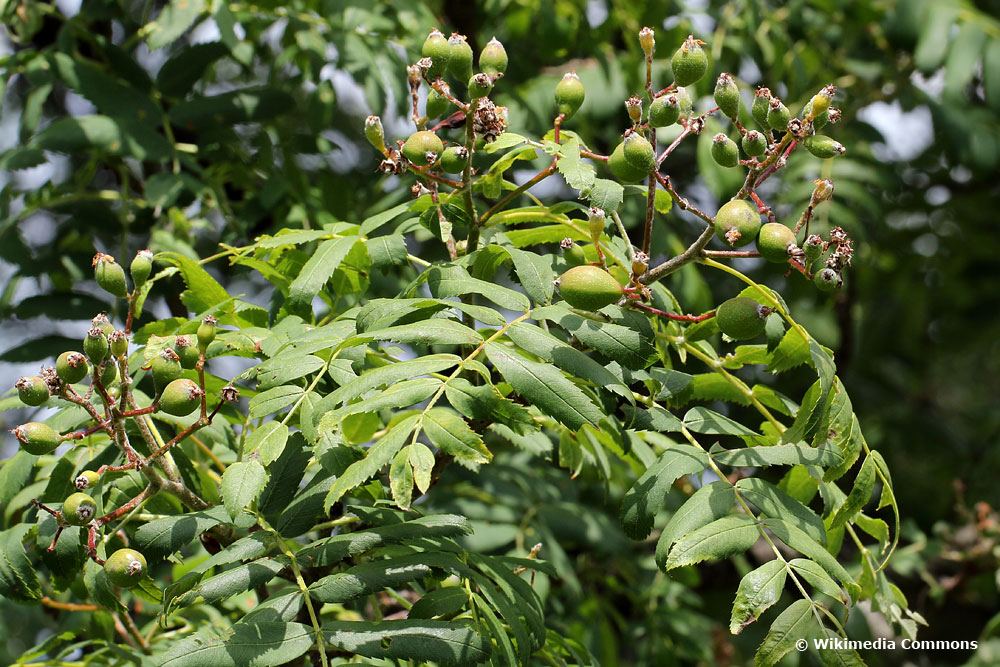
(67, 606)
(676, 262)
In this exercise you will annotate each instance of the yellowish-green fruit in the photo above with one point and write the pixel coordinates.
(761, 105)
(827, 280)
(639, 153)
(118, 343)
(574, 254)
(422, 147)
(778, 115)
(437, 104)
(166, 367)
(737, 223)
(569, 94)
(437, 49)
(187, 351)
(621, 168)
(32, 390)
(78, 509)
(813, 248)
(454, 159)
(96, 346)
(141, 267)
(37, 438)
(86, 480)
(741, 318)
(181, 397)
(664, 111)
(206, 333)
(71, 367)
(773, 241)
(690, 62)
(460, 60)
(110, 275)
(754, 143)
(822, 146)
(493, 58)
(589, 287)
(125, 567)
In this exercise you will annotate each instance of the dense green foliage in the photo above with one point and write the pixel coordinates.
(417, 409)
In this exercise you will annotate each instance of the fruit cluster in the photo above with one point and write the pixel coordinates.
(105, 361)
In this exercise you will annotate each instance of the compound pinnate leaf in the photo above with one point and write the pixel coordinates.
(796, 623)
(710, 502)
(774, 502)
(241, 485)
(452, 435)
(377, 456)
(645, 498)
(250, 644)
(758, 590)
(447, 643)
(722, 538)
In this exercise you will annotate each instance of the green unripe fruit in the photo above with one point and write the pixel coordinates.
(102, 322)
(78, 509)
(437, 104)
(589, 287)
(32, 391)
(621, 168)
(166, 367)
(118, 343)
(86, 480)
(820, 102)
(573, 254)
(773, 242)
(206, 333)
(125, 567)
(493, 59)
(813, 248)
(724, 151)
(596, 220)
(822, 146)
(96, 346)
(187, 351)
(109, 373)
(754, 143)
(741, 318)
(422, 148)
(569, 94)
(827, 280)
(778, 115)
(480, 86)
(737, 223)
(181, 398)
(684, 100)
(727, 96)
(639, 152)
(460, 57)
(454, 159)
(110, 275)
(37, 438)
(141, 267)
(437, 49)
(690, 62)
(71, 367)
(374, 133)
(761, 105)
(664, 111)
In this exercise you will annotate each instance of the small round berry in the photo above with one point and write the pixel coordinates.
(754, 143)
(778, 115)
(480, 86)
(773, 241)
(421, 146)
(118, 342)
(589, 287)
(437, 49)
(664, 111)
(181, 397)
(822, 146)
(727, 96)
(633, 106)
(460, 57)
(596, 220)
(724, 151)
(96, 346)
(741, 318)
(125, 567)
(639, 152)
(71, 367)
(621, 168)
(437, 104)
(493, 58)
(110, 275)
(569, 94)
(78, 509)
(454, 159)
(761, 105)
(187, 351)
(737, 223)
(37, 438)
(87, 479)
(206, 333)
(820, 102)
(141, 267)
(827, 280)
(166, 367)
(32, 391)
(690, 62)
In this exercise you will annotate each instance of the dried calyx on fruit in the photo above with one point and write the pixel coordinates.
(727, 96)
(180, 398)
(690, 62)
(78, 509)
(737, 223)
(664, 111)
(71, 367)
(125, 567)
(778, 115)
(741, 318)
(118, 343)
(493, 58)
(32, 390)
(569, 94)
(589, 287)
(110, 275)
(141, 267)
(86, 480)
(436, 48)
(774, 240)
(828, 279)
(423, 148)
(37, 438)
(480, 86)
(724, 151)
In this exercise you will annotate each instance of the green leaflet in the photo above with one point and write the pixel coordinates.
(624, 344)
(807, 546)
(797, 622)
(710, 502)
(231, 582)
(203, 291)
(269, 440)
(817, 577)
(433, 331)
(448, 643)
(545, 387)
(722, 538)
(161, 537)
(790, 454)
(274, 399)
(176, 17)
(452, 435)
(440, 602)
(259, 644)
(360, 580)
(399, 395)
(485, 402)
(774, 502)
(377, 456)
(317, 271)
(446, 281)
(861, 493)
(702, 420)
(758, 590)
(241, 485)
(18, 580)
(645, 498)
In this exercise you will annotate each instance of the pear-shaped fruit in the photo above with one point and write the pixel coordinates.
(37, 438)
(639, 152)
(96, 345)
(32, 390)
(589, 287)
(436, 48)
(125, 567)
(110, 275)
(181, 397)
(621, 168)
(724, 151)
(664, 111)
(569, 94)
(727, 96)
(822, 146)
(423, 146)
(773, 241)
(742, 317)
(141, 267)
(460, 60)
(690, 62)
(737, 223)
(493, 58)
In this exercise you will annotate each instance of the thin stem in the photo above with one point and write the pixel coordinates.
(537, 178)
(676, 262)
(470, 145)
